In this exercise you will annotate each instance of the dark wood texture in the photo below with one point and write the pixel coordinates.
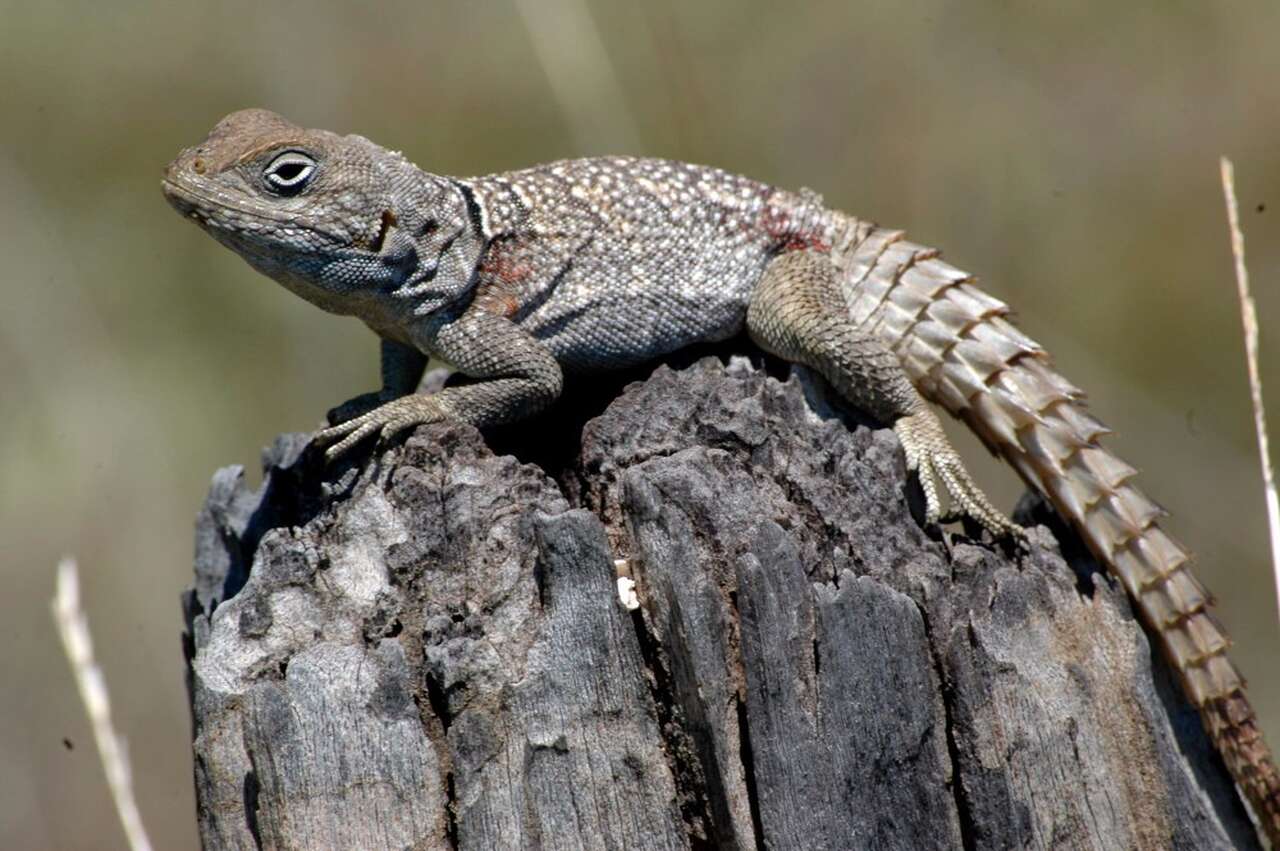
(427, 650)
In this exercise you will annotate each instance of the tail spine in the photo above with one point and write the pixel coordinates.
(961, 352)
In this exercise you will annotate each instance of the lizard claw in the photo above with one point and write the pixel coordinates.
(385, 420)
(932, 457)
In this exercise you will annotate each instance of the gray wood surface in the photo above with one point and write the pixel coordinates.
(427, 651)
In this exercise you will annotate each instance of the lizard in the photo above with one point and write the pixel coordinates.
(585, 265)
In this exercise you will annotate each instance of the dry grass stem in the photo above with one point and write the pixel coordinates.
(73, 627)
(1249, 316)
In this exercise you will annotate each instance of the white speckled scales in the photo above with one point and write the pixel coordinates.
(612, 261)
(961, 352)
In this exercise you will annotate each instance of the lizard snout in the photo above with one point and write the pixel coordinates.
(187, 167)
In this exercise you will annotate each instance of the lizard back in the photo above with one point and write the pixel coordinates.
(612, 261)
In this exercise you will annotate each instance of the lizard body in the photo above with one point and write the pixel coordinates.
(595, 264)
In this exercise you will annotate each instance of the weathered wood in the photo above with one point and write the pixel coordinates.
(429, 652)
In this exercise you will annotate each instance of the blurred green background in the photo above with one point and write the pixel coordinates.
(1067, 153)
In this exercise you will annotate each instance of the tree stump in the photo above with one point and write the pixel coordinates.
(425, 648)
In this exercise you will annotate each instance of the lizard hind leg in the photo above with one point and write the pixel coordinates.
(798, 313)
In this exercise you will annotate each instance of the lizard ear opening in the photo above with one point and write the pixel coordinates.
(388, 222)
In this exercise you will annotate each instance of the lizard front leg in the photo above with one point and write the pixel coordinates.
(402, 368)
(515, 376)
(797, 312)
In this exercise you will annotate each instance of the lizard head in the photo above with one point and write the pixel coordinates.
(337, 219)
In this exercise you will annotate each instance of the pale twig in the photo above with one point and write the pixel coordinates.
(73, 627)
(1249, 316)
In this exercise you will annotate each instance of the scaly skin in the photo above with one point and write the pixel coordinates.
(594, 264)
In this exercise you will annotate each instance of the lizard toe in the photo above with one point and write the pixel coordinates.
(353, 436)
(928, 452)
(354, 408)
(386, 421)
(929, 484)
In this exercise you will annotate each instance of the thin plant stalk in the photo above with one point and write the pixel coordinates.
(1249, 316)
(73, 627)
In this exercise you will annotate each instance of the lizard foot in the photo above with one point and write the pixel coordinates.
(355, 407)
(385, 420)
(932, 457)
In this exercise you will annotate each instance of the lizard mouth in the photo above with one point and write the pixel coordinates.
(221, 212)
(181, 200)
(201, 208)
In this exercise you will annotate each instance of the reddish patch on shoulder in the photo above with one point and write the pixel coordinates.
(787, 235)
(507, 270)
(501, 273)
(497, 302)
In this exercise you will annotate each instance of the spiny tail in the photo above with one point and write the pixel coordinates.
(961, 352)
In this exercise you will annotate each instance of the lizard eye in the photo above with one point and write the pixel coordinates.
(289, 173)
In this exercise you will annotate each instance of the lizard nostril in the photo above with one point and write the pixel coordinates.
(197, 165)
